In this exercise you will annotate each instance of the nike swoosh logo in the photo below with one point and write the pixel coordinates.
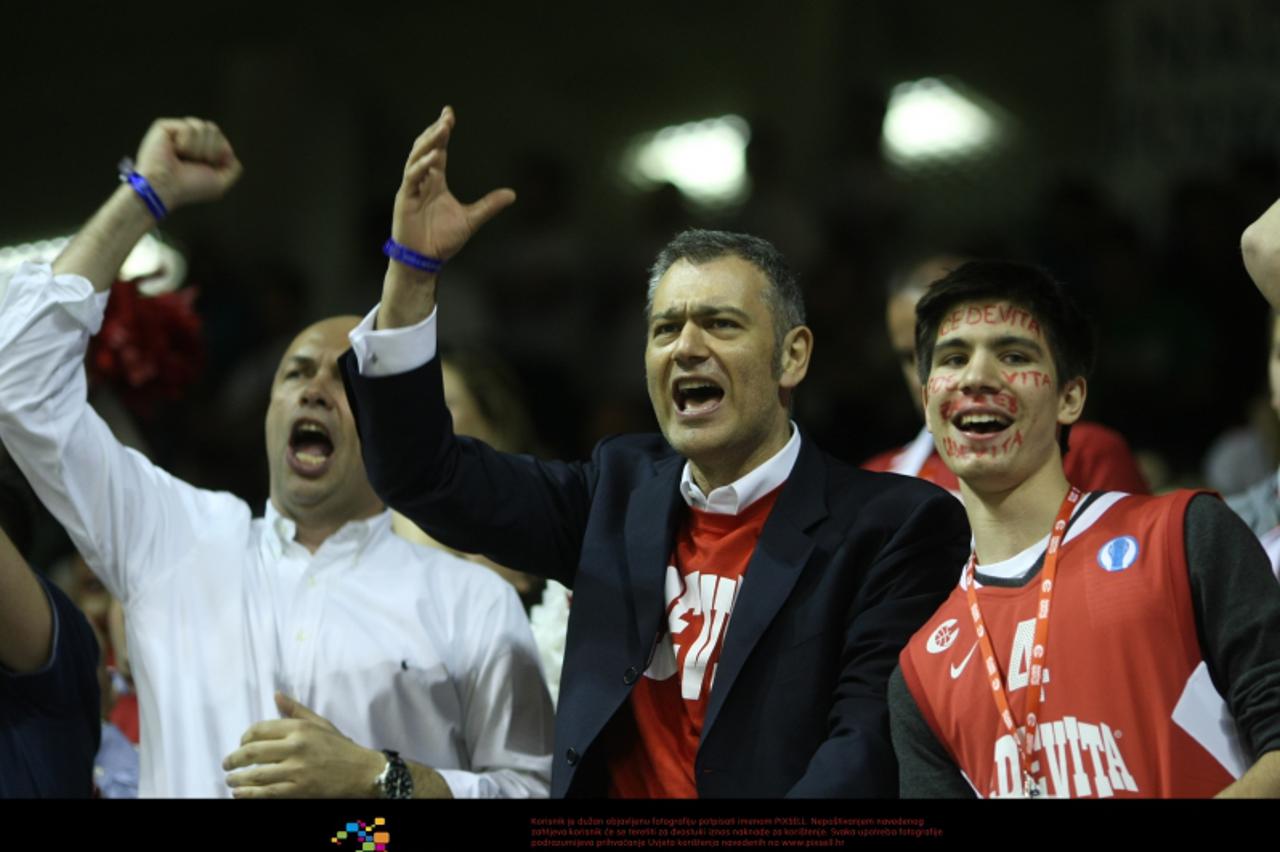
(956, 670)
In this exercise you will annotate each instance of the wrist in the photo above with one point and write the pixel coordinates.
(145, 188)
(408, 297)
(395, 781)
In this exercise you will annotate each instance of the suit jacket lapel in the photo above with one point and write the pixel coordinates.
(652, 515)
(780, 556)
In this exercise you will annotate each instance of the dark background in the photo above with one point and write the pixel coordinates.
(1143, 138)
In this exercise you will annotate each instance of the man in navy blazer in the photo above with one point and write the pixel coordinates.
(739, 596)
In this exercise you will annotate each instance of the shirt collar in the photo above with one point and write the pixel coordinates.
(734, 498)
(283, 530)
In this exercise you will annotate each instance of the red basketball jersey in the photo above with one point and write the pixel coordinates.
(1128, 709)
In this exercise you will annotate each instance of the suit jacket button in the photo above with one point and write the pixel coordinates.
(572, 756)
(630, 675)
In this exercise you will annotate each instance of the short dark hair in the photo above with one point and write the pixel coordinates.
(1068, 330)
(785, 300)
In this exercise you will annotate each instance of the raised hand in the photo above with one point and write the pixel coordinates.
(1260, 245)
(187, 160)
(428, 218)
(301, 755)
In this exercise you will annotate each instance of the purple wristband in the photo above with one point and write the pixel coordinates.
(140, 185)
(409, 257)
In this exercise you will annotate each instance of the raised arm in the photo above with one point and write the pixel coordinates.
(525, 514)
(111, 501)
(184, 161)
(430, 221)
(1260, 245)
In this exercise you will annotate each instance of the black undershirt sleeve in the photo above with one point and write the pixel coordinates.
(925, 769)
(1237, 608)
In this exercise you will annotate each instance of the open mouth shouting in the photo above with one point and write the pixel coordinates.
(310, 448)
(696, 397)
(980, 423)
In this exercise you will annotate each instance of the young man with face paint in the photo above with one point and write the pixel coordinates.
(291, 650)
(1098, 458)
(1098, 644)
(739, 596)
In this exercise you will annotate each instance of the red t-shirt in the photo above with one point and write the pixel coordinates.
(668, 704)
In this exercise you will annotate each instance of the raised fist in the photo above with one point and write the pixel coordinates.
(187, 160)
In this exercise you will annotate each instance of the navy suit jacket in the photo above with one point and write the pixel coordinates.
(849, 565)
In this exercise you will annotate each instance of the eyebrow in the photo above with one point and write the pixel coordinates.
(700, 312)
(298, 360)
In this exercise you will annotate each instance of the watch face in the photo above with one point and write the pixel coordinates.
(397, 781)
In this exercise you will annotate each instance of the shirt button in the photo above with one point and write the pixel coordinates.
(630, 675)
(572, 757)
(301, 637)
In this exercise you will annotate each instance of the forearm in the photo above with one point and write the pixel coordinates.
(408, 296)
(99, 250)
(26, 618)
(366, 765)
(1262, 781)
(427, 783)
(1260, 245)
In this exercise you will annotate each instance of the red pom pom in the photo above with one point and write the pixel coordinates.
(150, 349)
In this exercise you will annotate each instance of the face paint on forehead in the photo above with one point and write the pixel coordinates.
(995, 313)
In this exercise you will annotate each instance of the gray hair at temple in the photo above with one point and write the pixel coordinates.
(786, 302)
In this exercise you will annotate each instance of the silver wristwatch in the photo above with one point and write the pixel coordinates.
(396, 781)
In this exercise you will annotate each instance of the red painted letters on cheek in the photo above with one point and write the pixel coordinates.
(942, 384)
(1027, 378)
(1005, 401)
(956, 450)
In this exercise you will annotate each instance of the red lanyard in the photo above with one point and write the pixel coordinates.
(1039, 651)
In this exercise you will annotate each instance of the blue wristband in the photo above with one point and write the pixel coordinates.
(409, 257)
(148, 195)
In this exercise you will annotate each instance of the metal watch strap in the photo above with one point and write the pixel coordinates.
(395, 782)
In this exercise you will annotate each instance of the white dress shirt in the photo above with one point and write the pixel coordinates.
(399, 645)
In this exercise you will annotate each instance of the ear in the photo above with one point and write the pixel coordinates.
(797, 349)
(1071, 400)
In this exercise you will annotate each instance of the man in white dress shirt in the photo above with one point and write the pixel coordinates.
(303, 652)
